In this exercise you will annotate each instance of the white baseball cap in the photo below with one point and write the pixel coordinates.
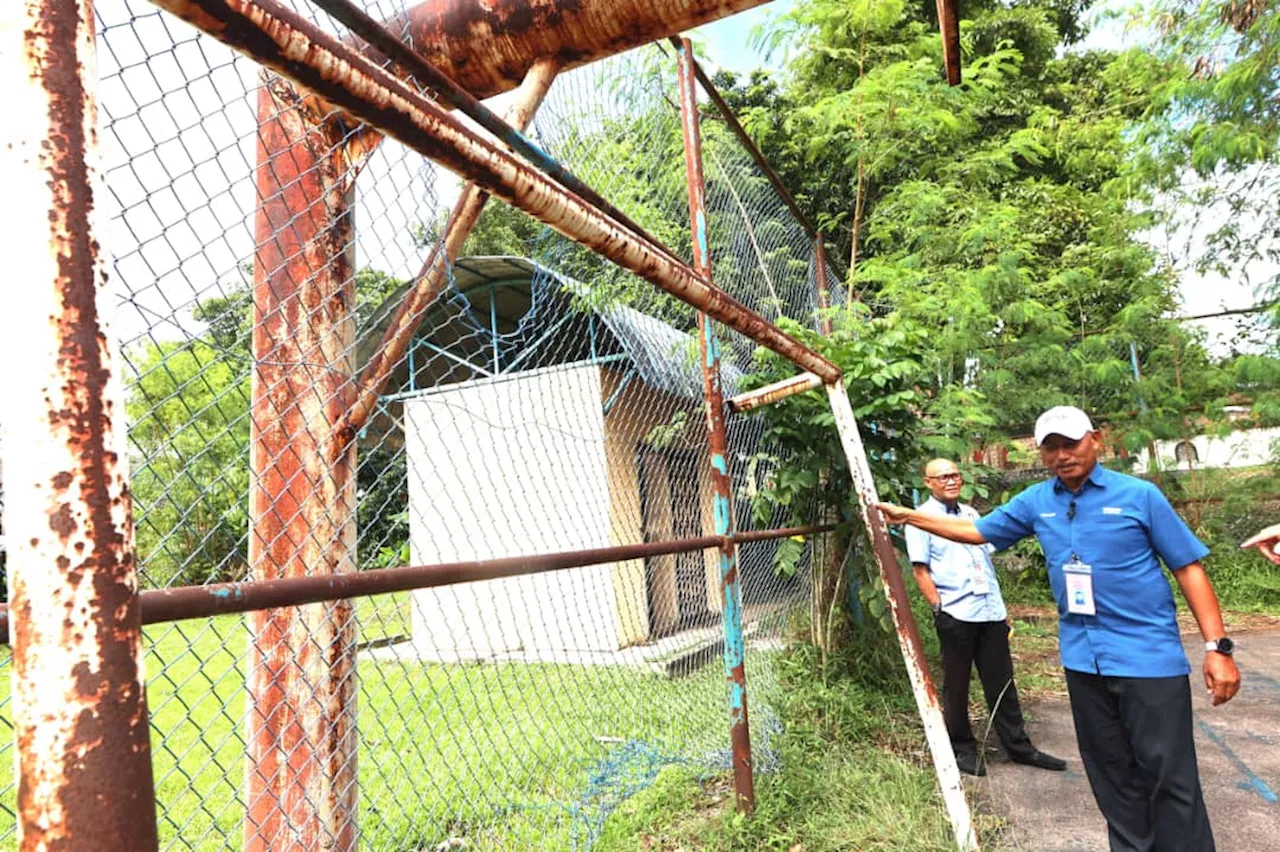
(1065, 420)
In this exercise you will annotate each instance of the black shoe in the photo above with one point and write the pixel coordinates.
(971, 764)
(1040, 760)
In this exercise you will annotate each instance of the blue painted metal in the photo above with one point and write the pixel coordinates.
(613, 397)
(717, 440)
(493, 327)
(439, 350)
(413, 369)
(591, 331)
(542, 338)
(1137, 374)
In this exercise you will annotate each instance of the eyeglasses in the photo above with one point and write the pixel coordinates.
(948, 477)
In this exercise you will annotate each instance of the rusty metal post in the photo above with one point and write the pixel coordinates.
(81, 731)
(301, 743)
(487, 47)
(281, 40)
(935, 728)
(434, 274)
(721, 485)
(178, 603)
(949, 28)
(775, 392)
(824, 292)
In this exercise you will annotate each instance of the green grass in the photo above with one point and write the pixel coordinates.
(500, 754)
(851, 773)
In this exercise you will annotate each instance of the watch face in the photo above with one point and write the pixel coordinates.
(1225, 645)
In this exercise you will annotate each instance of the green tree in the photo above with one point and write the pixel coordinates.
(996, 215)
(189, 433)
(189, 415)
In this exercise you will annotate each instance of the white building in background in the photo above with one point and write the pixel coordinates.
(1243, 448)
(534, 424)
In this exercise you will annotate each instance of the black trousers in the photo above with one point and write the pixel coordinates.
(1138, 747)
(984, 644)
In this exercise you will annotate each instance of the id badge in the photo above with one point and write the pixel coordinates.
(978, 575)
(1079, 577)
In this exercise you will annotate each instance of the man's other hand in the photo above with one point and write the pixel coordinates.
(894, 514)
(1221, 677)
(1267, 541)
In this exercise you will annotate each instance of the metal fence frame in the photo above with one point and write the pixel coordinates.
(80, 710)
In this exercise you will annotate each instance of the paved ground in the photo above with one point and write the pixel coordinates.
(1238, 747)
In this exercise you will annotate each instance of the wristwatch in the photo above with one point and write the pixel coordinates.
(937, 608)
(1222, 646)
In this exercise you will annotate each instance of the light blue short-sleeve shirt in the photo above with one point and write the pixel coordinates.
(953, 567)
(1122, 527)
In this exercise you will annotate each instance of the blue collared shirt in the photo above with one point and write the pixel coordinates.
(1117, 524)
(951, 565)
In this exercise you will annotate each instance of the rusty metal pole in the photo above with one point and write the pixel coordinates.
(301, 744)
(434, 274)
(81, 731)
(935, 729)
(824, 293)
(949, 28)
(281, 40)
(775, 392)
(721, 485)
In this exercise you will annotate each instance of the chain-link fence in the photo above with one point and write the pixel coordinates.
(544, 402)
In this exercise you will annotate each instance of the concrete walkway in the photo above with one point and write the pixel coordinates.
(1237, 745)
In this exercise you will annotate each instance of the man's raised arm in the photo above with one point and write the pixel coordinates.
(955, 529)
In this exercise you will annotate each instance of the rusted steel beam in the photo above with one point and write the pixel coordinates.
(301, 744)
(392, 47)
(751, 536)
(80, 724)
(726, 112)
(775, 392)
(488, 46)
(935, 729)
(949, 28)
(434, 275)
(717, 444)
(282, 40)
(179, 603)
(824, 292)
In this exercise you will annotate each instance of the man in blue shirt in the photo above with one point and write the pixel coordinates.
(1104, 534)
(959, 582)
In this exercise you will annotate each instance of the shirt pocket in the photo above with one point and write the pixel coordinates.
(1118, 535)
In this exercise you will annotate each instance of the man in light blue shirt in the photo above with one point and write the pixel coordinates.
(959, 582)
(1104, 535)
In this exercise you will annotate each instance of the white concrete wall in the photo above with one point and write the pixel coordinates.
(506, 468)
(1245, 448)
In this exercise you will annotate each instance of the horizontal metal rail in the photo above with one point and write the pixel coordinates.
(186, 602)
(775, 392)
(283, 41)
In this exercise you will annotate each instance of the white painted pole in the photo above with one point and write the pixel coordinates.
(935, 728)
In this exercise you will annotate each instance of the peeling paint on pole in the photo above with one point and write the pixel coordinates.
(301, 741)
(824, 292)
(717, 441)
(80, 715)
(935, 729)
(488, 46)
(775, 392)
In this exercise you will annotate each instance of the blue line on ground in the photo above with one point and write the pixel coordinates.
(1255, 783)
